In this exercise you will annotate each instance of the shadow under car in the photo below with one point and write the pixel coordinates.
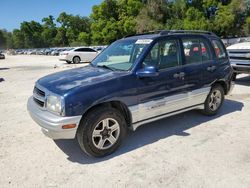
(150, 133)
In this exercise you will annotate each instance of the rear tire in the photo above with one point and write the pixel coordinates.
(214, 100)
(76, 60)
(101, 131)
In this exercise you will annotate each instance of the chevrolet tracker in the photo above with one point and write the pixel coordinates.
(136, 80)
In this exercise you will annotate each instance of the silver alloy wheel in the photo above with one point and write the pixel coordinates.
(106, 133)
(215, 100)
(77, 60)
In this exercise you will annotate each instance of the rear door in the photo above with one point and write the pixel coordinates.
(198, 69)
(222, 63)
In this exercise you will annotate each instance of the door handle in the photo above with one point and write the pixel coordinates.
(176, 75)
(180, 75)
(211, 68)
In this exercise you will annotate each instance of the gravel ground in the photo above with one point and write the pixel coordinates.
(187, 150)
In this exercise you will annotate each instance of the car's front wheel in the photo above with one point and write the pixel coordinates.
(101, 131)
(214, 100)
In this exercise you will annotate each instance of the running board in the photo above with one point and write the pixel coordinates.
(134, 126)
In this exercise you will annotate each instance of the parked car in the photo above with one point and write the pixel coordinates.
(240, 57)
(77, 55)
(2, 56)
(136, 80)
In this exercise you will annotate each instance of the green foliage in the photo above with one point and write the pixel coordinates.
(114, 19)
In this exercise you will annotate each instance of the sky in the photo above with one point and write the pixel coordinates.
(13, 12)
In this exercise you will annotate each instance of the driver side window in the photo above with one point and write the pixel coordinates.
(164, 54)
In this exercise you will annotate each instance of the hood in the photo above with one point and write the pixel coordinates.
(60, 83)
(240, 46)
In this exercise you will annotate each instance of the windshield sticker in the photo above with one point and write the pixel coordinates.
(144, 41)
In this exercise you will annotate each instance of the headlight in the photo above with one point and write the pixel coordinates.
(54, 104)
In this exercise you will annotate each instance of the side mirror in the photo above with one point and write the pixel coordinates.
(149, 71)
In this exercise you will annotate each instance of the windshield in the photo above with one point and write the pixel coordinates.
(120, 55)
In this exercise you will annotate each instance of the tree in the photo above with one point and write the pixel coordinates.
(113, 19)
(18, 39)
(2, 40)
(32, 34)
(49, 31)
(73, 25)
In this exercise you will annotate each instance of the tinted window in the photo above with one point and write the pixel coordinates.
(84, 50)
(164, 54)
(196, 50)
(219, 49)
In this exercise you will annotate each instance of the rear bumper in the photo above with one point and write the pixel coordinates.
(51, 124)
(63, 58)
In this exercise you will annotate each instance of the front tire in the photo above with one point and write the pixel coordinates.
(214, 100)
(101, 131)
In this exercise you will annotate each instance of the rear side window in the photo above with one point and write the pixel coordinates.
(196, 50)
(219, 49)
(84, 50)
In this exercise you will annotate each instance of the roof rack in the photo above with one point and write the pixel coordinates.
(168, 32)
(146, 33)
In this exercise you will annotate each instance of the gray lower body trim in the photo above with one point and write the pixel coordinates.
(165, 107)
(138, 124)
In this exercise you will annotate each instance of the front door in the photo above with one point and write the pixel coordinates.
(164, 93)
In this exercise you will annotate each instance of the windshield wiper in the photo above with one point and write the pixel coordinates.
(106, 67)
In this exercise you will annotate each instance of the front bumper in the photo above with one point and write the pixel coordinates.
(51, 124)
(241, 66)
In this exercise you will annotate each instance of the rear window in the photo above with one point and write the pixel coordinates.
(219, 49)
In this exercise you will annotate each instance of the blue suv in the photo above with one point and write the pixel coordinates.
(136, 80)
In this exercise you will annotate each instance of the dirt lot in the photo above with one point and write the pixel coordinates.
(187, 150)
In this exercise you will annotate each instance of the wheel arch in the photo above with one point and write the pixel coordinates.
(118, 105)
(223, 84)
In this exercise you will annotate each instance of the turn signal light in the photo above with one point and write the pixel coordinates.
(70, 126)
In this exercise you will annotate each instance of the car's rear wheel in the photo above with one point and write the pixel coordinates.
(214, 100)
(76, 59)
(101, 131)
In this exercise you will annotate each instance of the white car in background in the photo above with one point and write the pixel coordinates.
(239, 55)
(77, 55)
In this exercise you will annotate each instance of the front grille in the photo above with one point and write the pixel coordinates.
(243, 55)
(39, 92)
(240, 58)
(37, 101)
(39, 97)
